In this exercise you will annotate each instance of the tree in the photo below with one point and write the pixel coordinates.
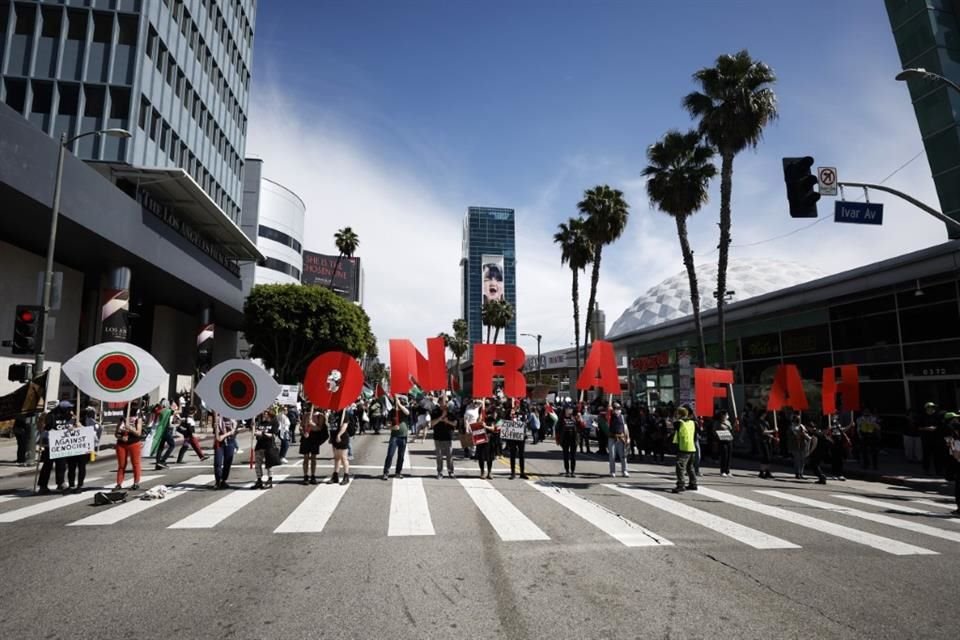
(678, 178)
(496, 314)
(605, 212)
(347, 242)
(288, 325)
(458, 343)
(734, 104)
(575, 250)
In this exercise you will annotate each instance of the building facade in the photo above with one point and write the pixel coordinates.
(488, 267)
(898, 320)
(925, 32)
(151, 220)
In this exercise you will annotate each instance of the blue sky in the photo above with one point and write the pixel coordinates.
(395, 116)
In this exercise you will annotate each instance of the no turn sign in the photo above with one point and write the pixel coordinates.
(827, 180)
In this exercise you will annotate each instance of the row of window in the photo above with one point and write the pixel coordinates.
(189, 30)
(176, 150)
(279, 236)
(282, 267)
(174, 76)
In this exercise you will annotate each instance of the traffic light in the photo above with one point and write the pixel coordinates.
(27, 327)
(20, 372)
(800, 182)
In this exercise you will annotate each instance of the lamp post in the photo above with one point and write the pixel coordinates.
(920, 72)
(39, 358)
(538, 338)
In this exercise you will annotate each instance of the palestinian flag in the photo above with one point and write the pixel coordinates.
(378, 391)
(415, 393)
(366, 393)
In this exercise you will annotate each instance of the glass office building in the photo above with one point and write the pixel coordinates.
(175, 73)
(488, 268)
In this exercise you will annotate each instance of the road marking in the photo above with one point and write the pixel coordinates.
(63, 501)
(740, 533)
(820, 526)
(215, 513)
(939, 505)
(312, 514)
(508, 521)
(896, 507)
(613, 524)
(126, 510)
(866, 515)
(409, 512)
(88, 480)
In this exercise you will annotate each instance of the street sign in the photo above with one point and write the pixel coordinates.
(827, 179)
(858, 212)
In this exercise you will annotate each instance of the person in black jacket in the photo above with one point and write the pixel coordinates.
(266, 434)
(566, 436)
(21, 431)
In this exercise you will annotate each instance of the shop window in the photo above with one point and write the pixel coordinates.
(873, 330)
(805, 340)
(883, 397)
(880, 372)
(861, 308)
(811, 367)
(931, 350)
(932, 322)
(764, 346)
(864, 356)
(760, 371)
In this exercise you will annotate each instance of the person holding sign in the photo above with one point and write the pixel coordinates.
(619, 439)
(399, 429)
(315, 433)
(566, 436)
(443, 426)
(128, 445)
(485, 445)
(224, 448)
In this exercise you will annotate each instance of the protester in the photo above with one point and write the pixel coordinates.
(517, 452)
(931, 428)
(839, 445)
(340, 439)
(285, 433)
(802, 441)
(487, 451)
(723, 432)
(315, 433)
(952, 445)
(399, 430)
(224, 448)
(266, 435)
(128, 448)
(163, 441)
(618, 438)
(684, 437)
(767, 445)
(566, 436)
(533, 424)
(868, 431)
(443, 425)
(21, 431)
(188, 429)
(45, 425)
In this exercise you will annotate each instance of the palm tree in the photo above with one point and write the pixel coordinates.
(678, 178)
(347, 242)
(606, 212)
(458, 343)
(575, 250)
(734, 104)
(496, 314)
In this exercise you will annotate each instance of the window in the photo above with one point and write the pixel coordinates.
(278, 236)
(144, 110)
(16, 93)
(154, 125)
(152, 40)
(161, 57)
(931, 322)
(282, 267)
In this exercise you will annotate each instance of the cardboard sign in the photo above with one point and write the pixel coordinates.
(512, 430)
(288, 395)
(72, 442)
(479, 433)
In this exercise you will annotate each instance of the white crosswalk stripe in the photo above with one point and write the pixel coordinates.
(215, 513)
(508, 521)
(123, 511)
(740, 533)
(409, 511)
(938, 505)
(613, 524)
(312, 514)
(893, 506)
(822, 526)
(89, 480)
(63, 501)
(866, 515)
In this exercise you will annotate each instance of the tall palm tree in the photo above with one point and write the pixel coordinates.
(678, 178)
(458, 343)
(502, 317)
(487, 316)
(734, 104)
(605, 212)
(575, 250)
(347, 242)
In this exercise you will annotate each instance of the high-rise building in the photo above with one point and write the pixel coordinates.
(175, 73)
(926, 36)
(488, 267)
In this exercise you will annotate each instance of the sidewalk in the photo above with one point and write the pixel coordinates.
(105, 457)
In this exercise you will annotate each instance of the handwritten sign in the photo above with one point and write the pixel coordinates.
(72, 442)
(511, 430)
(478, 433)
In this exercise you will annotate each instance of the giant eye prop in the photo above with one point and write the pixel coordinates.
(115, 372)
(238, 389)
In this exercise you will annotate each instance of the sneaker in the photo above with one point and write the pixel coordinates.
(613, 475)
(512, 476)
(313, 479)
(841, 479)
(238, 452)
(306, 480)
(283, 461)
(451, 475)
(44, 491)
(269, 483)
(489, 477)
(626, 474)
(398, 476)
(384, 477)
(821, 481)
(439, 476)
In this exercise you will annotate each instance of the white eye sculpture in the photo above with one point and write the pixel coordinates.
(238, 389)
(115, 372)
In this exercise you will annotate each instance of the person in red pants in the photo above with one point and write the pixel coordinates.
(128, 448)
(188, 429)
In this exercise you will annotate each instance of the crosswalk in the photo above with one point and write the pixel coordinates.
(634, 515)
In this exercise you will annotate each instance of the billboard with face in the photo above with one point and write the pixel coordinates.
(491, 274)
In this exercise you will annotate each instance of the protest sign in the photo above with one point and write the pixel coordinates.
(72, 442)
(478, 433)
(512, 430)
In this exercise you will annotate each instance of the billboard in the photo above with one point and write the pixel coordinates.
(318, 268)
(491, 275)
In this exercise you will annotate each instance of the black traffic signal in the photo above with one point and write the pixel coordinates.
(20, 372)
(27, 327)
(800, 182)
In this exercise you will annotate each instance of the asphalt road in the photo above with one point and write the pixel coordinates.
(590, 557)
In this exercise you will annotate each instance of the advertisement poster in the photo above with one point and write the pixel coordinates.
(491, 272)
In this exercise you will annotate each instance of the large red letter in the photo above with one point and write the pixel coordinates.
(406, 361)
(848, 388)
(787, 390)
(705, 383)
(317, 389)
(600, 370)
(485, 367)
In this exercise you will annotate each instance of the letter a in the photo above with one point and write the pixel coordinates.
(787, 390)
(600, 369)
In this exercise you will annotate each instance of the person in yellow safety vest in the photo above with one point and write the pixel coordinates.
(684, 435)
(868, 429)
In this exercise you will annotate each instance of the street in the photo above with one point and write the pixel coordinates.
(591, 557)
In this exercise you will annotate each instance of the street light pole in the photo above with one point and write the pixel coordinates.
(920, 72)
(538, 338)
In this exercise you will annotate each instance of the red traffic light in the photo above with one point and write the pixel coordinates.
(25, 316)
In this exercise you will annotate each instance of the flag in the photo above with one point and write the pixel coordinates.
(378, 391)
(366, 393)
(454, 383)
(26, 400)
(415, 393)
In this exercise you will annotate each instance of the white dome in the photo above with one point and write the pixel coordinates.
(670, 299)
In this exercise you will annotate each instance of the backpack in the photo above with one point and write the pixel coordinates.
(103, 498)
